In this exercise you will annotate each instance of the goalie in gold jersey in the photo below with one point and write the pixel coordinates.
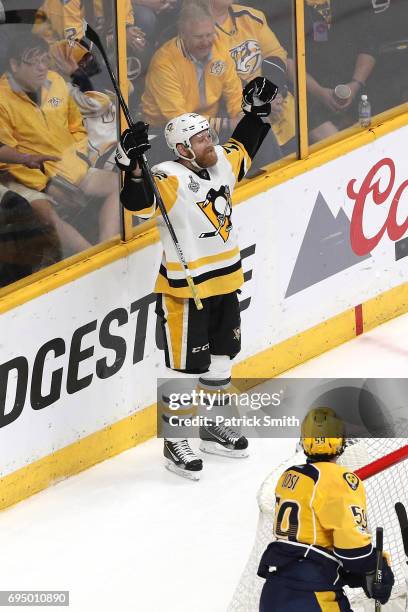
(322, 538)
(196, 189)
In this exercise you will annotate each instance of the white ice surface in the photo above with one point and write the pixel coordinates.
(128, 536)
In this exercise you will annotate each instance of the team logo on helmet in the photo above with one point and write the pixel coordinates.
(217, 207)
(217, 68)
(352, 480)
(247, 57)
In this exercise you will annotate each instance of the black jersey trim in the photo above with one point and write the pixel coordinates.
(247, 13)
(307, 470)
(202, 278)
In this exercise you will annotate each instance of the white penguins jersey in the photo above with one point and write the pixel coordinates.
(199, 206)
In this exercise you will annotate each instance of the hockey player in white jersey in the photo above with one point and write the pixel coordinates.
(196, 189)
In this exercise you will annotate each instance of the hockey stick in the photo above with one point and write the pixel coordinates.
(403, 523)
(94, 37)
(379, 537)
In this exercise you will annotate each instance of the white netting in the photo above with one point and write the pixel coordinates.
(383, 491)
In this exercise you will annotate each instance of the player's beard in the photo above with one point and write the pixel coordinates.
(208, 159)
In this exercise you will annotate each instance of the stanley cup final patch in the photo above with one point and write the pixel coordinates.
(193, 185)
(352, 480)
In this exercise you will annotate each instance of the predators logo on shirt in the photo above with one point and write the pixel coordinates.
(217, 68)
(247, 57)
(217, 207)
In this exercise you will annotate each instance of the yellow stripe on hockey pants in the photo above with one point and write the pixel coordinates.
(280, 595)
(327, 601)
(176, 329)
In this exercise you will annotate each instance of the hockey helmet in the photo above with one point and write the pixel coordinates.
(182, 128)
(322, 434)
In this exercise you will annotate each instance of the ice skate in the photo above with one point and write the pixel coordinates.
(221, 440)
(181, 460)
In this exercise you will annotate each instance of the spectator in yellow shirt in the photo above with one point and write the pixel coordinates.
(38, 117)
(57, 20)
(256, 51)
(188, 74)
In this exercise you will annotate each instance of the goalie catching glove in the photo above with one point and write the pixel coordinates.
(258, 95)
(134, 142)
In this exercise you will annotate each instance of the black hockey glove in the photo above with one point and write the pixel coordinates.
(133, 143)
(382, 590)
(258, 95)
(354, 581)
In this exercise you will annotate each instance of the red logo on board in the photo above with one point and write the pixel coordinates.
(360, 243)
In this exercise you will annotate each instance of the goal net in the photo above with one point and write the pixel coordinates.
(381, 463)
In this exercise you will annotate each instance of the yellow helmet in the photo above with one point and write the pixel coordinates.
(322, 434)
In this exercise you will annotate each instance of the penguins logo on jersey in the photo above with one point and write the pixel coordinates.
(247, 57)
(352, 480)
(217, 207)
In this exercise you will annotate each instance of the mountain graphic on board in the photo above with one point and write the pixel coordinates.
(325, 249)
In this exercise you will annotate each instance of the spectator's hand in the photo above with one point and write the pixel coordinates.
(326, 96)
(36, 162)
(157, 5)
(355, 90)
(64, 60)
(61, 197)
(276, 109)
(167, 5)
(134, 142)
(135, 38)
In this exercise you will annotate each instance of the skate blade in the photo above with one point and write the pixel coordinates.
(183, 473)
(213, 448)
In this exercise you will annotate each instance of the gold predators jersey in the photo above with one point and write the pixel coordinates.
(58, 19)
(172, 86)
(323, 505)
(249, 40)
(199, 206)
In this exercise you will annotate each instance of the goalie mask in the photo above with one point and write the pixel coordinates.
(322, 435)
(181, 129)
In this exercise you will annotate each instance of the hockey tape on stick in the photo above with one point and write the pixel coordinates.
(379, 544)
(94, 37)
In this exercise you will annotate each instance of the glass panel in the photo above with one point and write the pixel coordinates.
(341, 46)
(198, 58)
(388, 86)
(59, 187)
